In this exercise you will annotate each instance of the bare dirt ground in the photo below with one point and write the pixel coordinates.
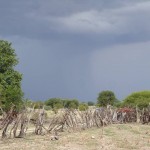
(113, 137)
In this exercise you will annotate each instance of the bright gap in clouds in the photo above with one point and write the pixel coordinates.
(128, 19)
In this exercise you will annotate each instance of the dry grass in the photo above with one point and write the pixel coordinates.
(114, 137)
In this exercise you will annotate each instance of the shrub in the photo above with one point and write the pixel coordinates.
(83, 107)
(140, 99)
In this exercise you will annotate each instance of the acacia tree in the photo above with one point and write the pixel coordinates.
(10, 79)
(140, 99)
(106, 98)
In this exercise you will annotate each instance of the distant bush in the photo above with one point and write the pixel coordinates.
(83, 107)
(57, 103)
(74, 104)
(54, 103)
(90, 103)
(140, 99)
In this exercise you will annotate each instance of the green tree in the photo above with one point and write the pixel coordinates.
(83, 107)
(140, 99)
(1, 93)
(54, 103)
(65, 103)
(105, 98)
(90, 103)
(72, 104)
(10, 79)
(58, 103)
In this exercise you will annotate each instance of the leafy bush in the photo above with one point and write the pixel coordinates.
(105, 98)
(54, 103)
(90, 103)
(57, 103)
(140, 99)
(83, 107)
(71, 104)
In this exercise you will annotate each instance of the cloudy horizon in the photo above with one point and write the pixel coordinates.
(78, 48)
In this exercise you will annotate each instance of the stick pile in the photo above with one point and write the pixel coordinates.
(15, 124)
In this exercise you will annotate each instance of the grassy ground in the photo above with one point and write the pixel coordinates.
(113, 137)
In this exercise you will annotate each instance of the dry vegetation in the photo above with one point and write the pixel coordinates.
(112, 137)
(95, 129)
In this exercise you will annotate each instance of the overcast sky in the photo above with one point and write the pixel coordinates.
(78, 48)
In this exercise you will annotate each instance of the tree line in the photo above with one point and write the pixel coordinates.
(11, 92)
(58, 103)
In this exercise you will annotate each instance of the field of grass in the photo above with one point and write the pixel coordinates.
(113, 137)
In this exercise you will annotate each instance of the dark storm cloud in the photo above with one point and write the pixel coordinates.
(65, 19)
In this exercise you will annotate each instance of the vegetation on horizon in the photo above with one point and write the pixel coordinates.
(140, 99)
(11, 92)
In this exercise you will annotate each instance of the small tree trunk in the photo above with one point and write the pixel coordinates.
(137, 115)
